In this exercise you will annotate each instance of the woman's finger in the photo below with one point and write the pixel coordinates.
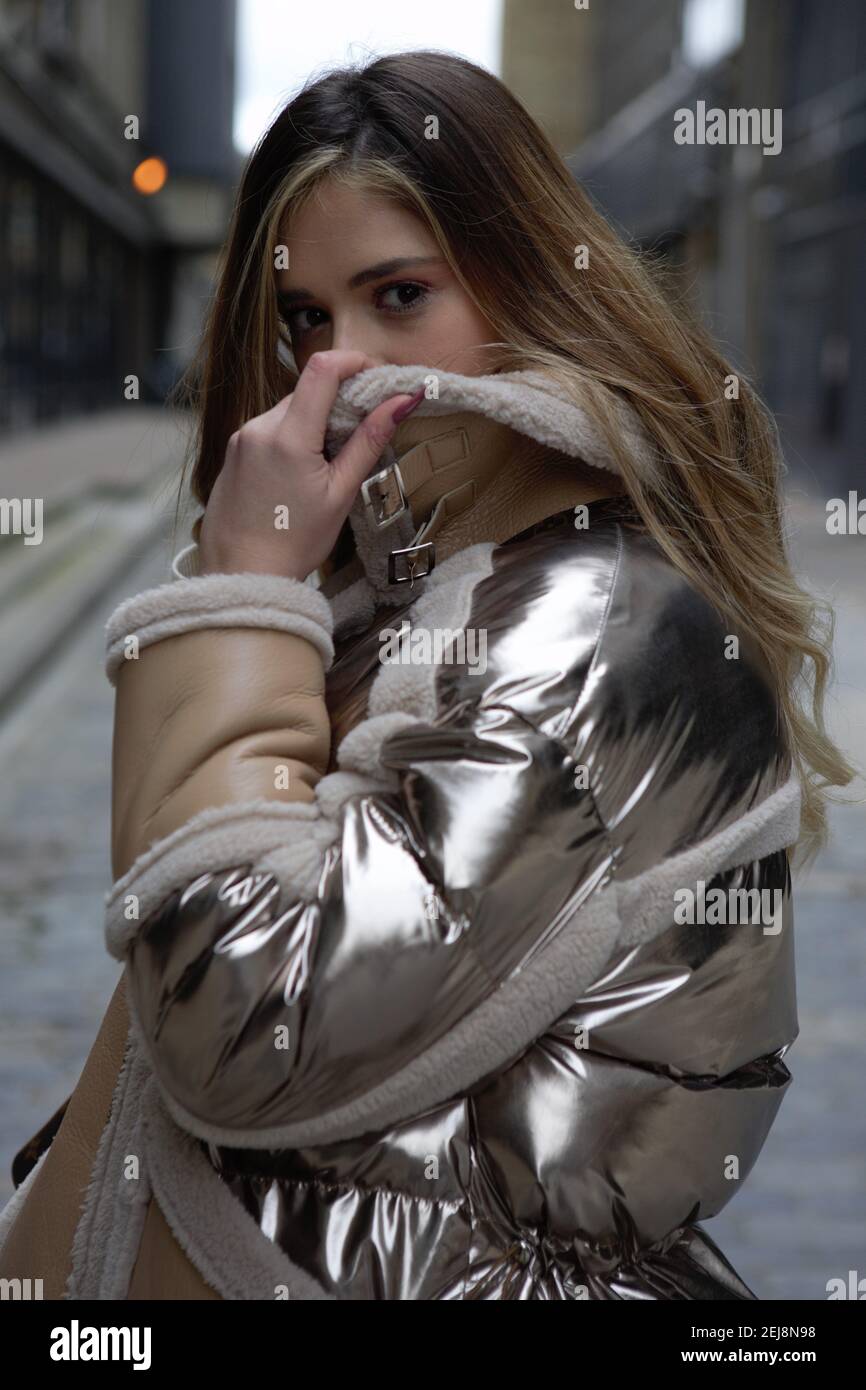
(359, 454)
(304, 423)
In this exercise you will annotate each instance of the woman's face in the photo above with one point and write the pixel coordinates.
(368, 276)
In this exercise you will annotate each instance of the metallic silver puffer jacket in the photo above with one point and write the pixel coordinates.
(469, 1017)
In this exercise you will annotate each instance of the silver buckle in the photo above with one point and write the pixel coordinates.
(411, 551)
(384, 496)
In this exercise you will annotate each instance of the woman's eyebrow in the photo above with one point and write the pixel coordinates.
(373, 272)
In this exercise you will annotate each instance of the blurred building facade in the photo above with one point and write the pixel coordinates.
(771, 245)
(99, 282)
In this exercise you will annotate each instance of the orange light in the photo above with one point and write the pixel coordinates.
(150, 175)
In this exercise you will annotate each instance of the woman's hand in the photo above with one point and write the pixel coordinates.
(274, 467)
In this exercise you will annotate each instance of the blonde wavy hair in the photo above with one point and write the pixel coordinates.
(508, 216)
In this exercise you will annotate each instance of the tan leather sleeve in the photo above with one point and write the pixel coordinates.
(39, 1245)
(209, 717)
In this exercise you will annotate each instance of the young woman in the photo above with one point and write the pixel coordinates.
(457, 770)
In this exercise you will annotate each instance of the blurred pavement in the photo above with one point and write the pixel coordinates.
(109, 493)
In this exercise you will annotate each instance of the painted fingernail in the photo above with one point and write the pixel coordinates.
(408, 406)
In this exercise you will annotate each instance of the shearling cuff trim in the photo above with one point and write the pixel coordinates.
(220, 600)
(235, 834)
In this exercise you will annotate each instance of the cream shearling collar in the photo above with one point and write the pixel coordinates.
(527, 402)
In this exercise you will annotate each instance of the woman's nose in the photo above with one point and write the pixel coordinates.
(349, 337)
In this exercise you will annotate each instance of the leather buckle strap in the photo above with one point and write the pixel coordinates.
(385, 495)
(396, 488)
(421, 473)
(411, 554)
(451, 505)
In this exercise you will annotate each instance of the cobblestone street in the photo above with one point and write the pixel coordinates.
(801, 1216)
(56, 977)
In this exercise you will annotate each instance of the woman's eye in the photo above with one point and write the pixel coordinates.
(298, 320)
(400, 298)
